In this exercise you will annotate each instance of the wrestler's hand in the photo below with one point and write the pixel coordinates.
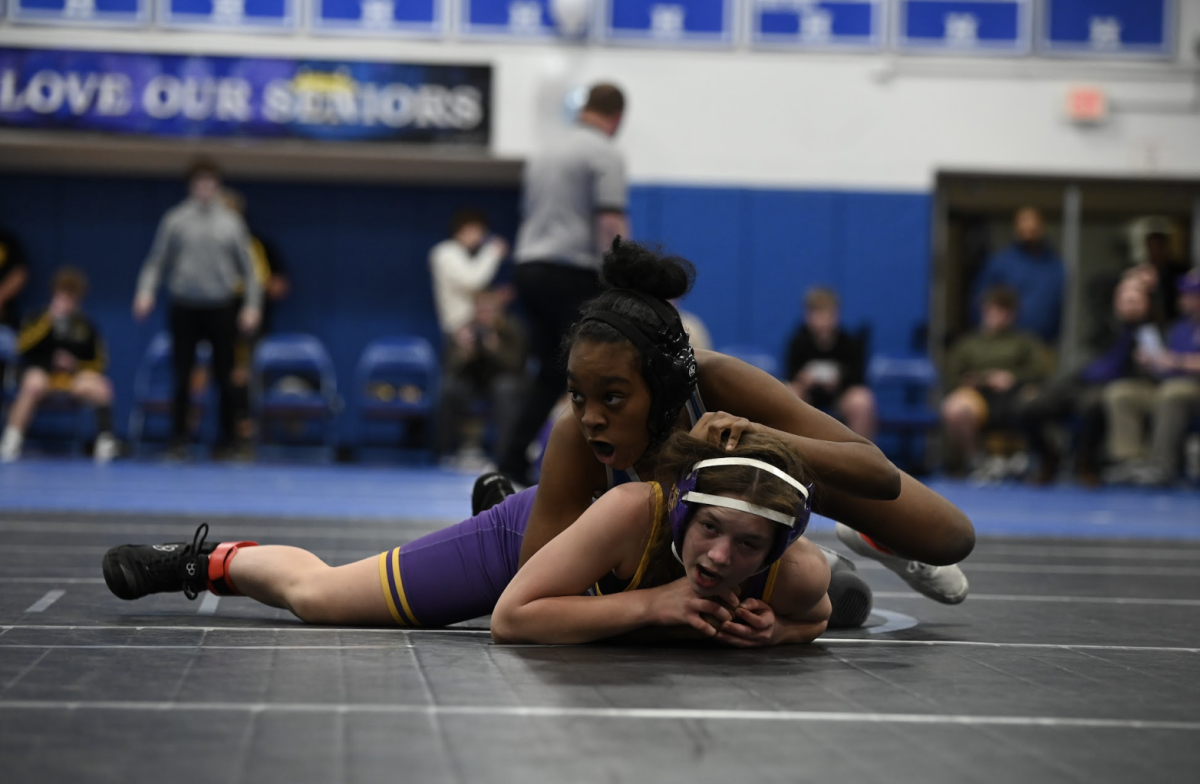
(676, 604)
(715, 424)
(753, 626)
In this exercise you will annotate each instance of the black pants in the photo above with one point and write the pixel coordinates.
(1060, 399)
(190, 325)
(552, 295)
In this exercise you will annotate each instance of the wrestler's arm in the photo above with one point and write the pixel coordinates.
(858, 485)
(544, 603)
(836, 455)
(570, 473)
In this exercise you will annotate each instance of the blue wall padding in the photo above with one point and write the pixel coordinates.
(757, 251)
(357, 255)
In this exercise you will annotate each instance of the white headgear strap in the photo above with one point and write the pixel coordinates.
(737, 503)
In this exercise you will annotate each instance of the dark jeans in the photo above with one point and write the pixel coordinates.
(1059, 399)
(458, 396)
(552, 295)
(190, 325)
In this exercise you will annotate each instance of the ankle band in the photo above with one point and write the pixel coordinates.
(218, 568)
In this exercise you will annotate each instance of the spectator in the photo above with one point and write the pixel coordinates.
(989, 372)
(273, 280)
(573, 207)
(61, 351)
(461, 268)
(826, 364)
(1081, 392)
(14, 274)
(1030, 267)
(1170, 402)
(484, 362)
(202, 251)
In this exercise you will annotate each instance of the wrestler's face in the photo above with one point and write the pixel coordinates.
(609, 400)
(724, 547)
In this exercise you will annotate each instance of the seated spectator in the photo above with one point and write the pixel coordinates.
(989, 373)
(61, 351)
(1080, 392)
(1170, 400)
(825, 365)
(1031, 267)
(462, 267)
(485, 361)
(14, 274)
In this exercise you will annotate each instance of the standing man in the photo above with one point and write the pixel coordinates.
(1031, 268)
(573, 206)
(202, 251)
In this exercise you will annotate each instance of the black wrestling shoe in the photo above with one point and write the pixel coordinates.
(490, 489)
(132, 571)
(849, 594)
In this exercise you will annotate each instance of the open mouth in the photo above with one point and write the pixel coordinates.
(706, 578)
(602, 448)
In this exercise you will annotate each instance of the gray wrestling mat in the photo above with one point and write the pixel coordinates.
(1072, 661)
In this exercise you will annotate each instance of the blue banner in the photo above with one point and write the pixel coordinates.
(1108, 28)
(173, 95)
(807, 24)
(228, 14)
(964, 26)
(419, 17)
(82, 13)
(667, 22)
(508, 18)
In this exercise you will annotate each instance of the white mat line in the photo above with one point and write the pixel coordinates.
(556, 712)
(1141, 571)
(472, 631)
(62, 580)
(1006, 597)
(208, 605)
(41, 604)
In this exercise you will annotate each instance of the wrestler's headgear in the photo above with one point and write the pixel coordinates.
(668, 362)
(685, 498)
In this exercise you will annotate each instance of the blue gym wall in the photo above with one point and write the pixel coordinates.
(356, 254)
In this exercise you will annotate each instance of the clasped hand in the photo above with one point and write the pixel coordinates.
(722, 616)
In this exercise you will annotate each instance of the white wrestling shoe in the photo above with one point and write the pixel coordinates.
(945, 584)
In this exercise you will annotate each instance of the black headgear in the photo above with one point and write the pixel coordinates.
(668, 362)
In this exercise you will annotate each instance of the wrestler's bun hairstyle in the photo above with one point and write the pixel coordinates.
(635, 309)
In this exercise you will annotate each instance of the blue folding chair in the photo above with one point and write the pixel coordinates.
(154, 389)
(293, 383)
(903, 386)
(754, 355)
(397, 380)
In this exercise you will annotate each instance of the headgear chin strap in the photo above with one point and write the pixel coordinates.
(668, 362)
(684, 497)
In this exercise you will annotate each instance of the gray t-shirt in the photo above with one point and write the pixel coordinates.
(576, 176)
(203, 250)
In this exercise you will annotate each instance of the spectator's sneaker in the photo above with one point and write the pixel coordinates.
(490, 489)
(10, 445)
(849, 594)
(132, 571)
(106, 448)
(945, 584)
